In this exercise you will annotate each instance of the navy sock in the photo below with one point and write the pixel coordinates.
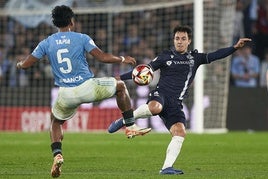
(56, 148)
(128, 117)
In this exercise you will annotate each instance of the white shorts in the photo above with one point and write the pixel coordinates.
(92, 90)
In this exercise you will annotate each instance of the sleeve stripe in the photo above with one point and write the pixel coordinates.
(207, 58)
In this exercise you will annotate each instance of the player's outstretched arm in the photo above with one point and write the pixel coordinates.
(110, 58)
(241, 42)
(27, 62)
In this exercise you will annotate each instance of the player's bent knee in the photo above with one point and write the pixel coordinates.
(155, 107)
(178, 129)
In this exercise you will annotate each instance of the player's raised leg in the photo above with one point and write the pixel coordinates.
(123, 101)
(130, 131)
(141, 112)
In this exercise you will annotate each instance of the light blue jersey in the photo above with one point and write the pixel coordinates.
(66, 53)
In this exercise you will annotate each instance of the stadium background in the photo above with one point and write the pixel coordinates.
(141, 29)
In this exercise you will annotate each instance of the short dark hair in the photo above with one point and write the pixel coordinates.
(62, 15)
(184, 28)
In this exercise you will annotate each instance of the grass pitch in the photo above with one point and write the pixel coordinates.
(233, 155)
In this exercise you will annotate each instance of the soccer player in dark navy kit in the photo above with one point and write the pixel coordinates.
(178, 67)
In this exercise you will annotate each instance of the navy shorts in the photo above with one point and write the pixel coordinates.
(172, 108)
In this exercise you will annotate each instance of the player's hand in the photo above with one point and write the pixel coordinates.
(129, 60)
(241, 42)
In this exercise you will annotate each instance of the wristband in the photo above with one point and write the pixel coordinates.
(19, 65)
(123, 59)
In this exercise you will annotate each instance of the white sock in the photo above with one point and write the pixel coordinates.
(141, 112)
(173, 151)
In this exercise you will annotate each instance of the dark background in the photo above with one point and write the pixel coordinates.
(247, 109)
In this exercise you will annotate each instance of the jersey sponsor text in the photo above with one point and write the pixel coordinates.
(73, 79)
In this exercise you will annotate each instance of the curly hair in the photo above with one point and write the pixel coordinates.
(62, 15)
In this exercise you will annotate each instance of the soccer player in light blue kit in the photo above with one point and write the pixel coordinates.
(66, 52)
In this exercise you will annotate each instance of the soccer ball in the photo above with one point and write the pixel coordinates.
(142, 74)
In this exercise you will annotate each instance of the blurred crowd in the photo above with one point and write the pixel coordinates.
(141, 34)
(249, 65)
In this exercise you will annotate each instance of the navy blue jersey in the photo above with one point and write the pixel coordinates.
(177, 71)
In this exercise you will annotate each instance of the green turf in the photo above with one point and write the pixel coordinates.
(89, 155)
